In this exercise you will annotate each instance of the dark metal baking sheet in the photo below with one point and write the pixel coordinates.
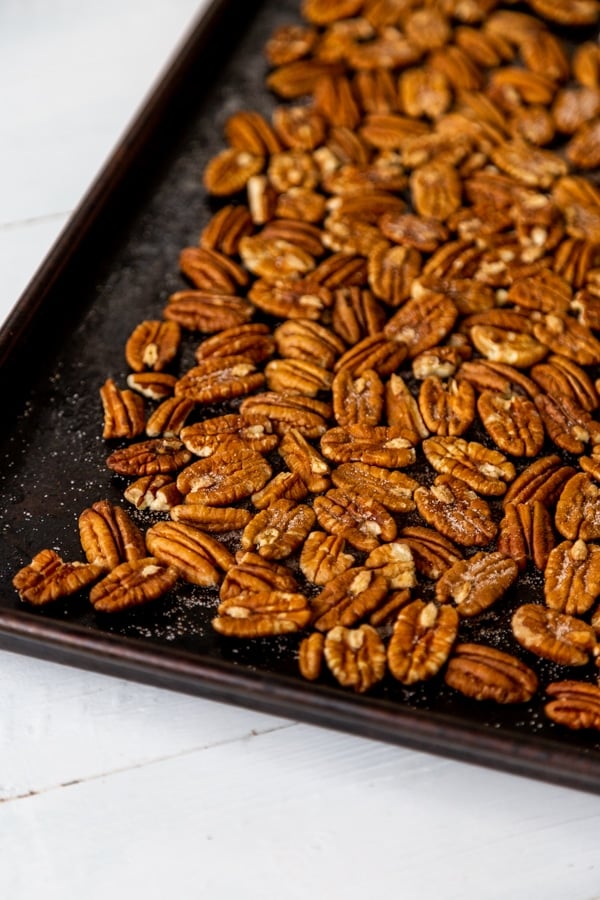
(115, 265)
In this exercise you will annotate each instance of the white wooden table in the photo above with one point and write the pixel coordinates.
(111, 789)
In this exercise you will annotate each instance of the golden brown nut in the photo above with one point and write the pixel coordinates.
(48, 578)
(355, 656)
(484, 673)
(421, 641)
(133, 584)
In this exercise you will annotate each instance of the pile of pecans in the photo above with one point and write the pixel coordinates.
(401, 293)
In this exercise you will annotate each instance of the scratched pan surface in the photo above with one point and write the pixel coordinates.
(116, 265)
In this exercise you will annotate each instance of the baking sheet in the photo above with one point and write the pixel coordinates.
(115, 265)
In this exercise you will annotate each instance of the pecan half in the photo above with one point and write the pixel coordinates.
(250, 131)
(529, 165)
(484, 673)
(228, 172)
(289, 168)
(560, 375)
(565, 335)
(576, 197)
(156, 456)
(224, 478)
(578, 12)
(310, 655)
(591, 465)
(392, 271)
(274, 258)
(389, 131)
(284, 411)
(514, 348)
(123, 412)
(447, 408)
(254, 615)
(278, 530)
(436, 190)
(376, 353)
(432, 553)
(525, 533)
(422, 322)
(512, 422)
(572, 108)
(421, 641)
(309, 341)
(402, 410)
(362, 521)
(582, 149)
(355, 656)
(291, 298)
(133, 584)
(252, 430)
(410, 230)
(385, 615)
(356, 314)
(305, 461)
(476, 583)
(198, 558)
(578, 509)
(348, 598)
(219, 378)
(357, 399)
(322, 557)
(299, 127)
(568, 425)
(572, 259)
(424, 92)
(216, 519)
(252, 341)
(225, 229)
(546, 292)
(574, 704)
(459, 69)
(168, 419)
(499, 378)
(485, 471)
(109, 536)
(376, 445)
(297, 376)
(392, 489)
(552, 635)
(284, 486)
(585, 64)
(456, 511)
(207, 311)
(155, 385)
(47, 578)
(395, 562)
(299, 77)
(152, 345)
(541, 480)
(572, 577)
(254, 574)
(158, 493)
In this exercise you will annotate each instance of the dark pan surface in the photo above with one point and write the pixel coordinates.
(115, 266)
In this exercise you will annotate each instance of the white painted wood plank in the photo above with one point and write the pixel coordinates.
(70, 79)
(301, 813)
(23, 246)
(61, 724)
(72, 76)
